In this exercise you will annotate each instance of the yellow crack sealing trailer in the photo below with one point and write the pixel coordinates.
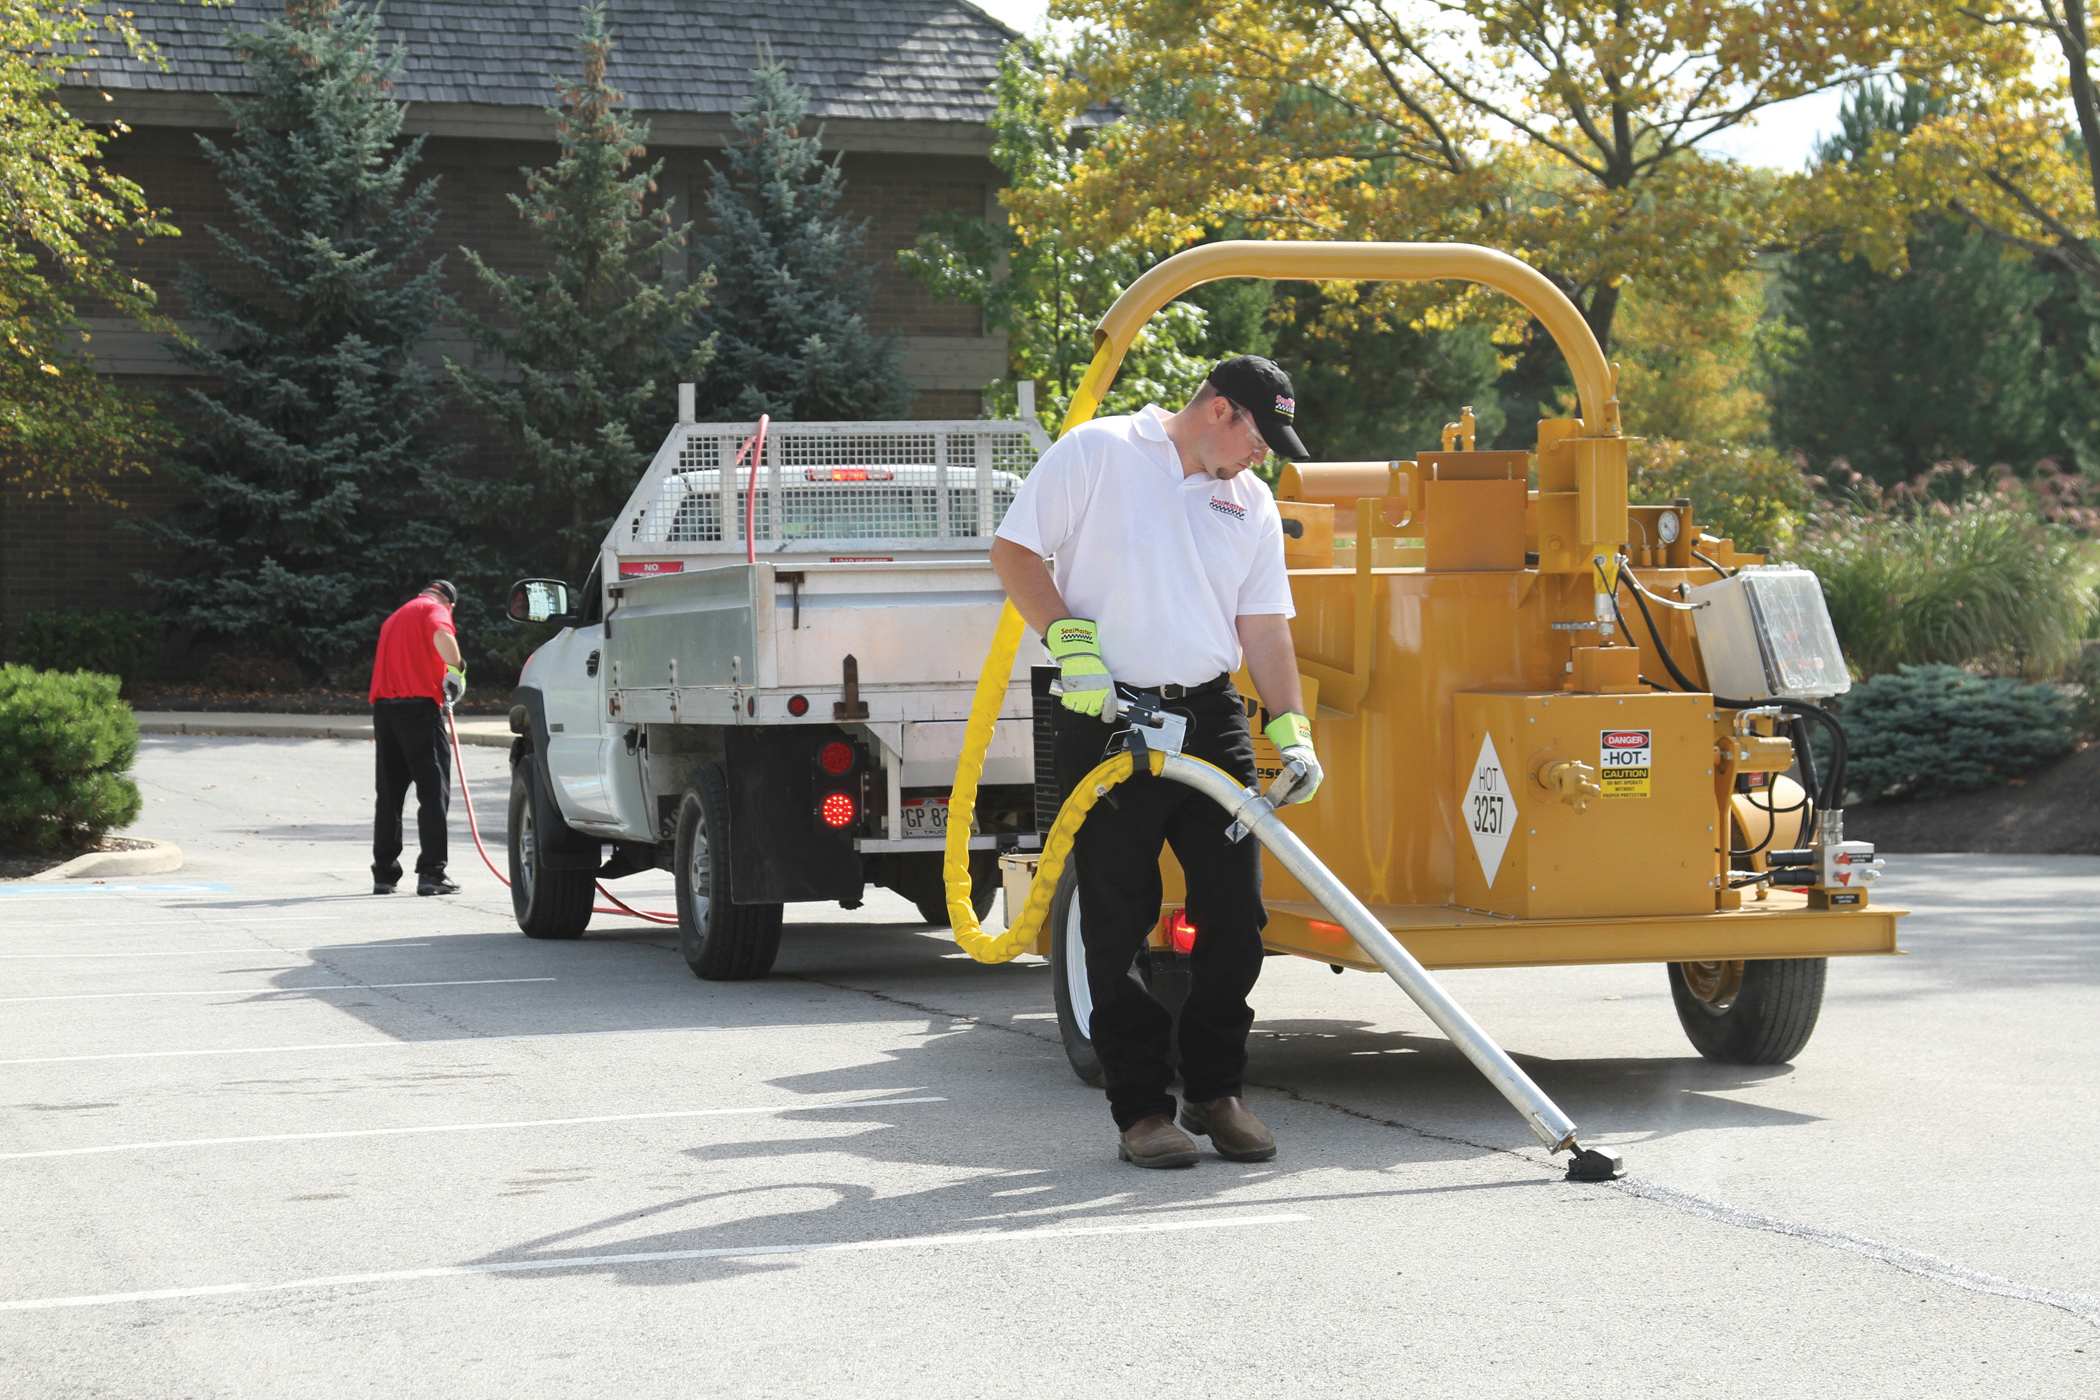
(1516, 777)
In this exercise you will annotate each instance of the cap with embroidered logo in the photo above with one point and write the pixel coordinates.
(1262, 388)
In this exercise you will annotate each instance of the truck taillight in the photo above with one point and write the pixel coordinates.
(848, 474)
(838, 809)
(836, 758)
(1181, 934)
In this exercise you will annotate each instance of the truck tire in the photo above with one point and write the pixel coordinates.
(548, 903)
(1749, 1013)
(1165, 976)
(983, 890)
(721, 941)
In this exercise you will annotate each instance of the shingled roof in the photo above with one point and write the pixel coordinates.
(897, 60)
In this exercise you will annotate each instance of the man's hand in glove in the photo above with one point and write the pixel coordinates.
(1076, 645)
(1300, 778)
(455, 684)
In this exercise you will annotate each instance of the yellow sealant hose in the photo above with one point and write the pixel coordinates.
(992, 684)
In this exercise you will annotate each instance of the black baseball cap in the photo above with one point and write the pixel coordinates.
(1262, 388)
(444, 589)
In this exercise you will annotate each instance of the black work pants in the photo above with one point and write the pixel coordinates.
(410, 739)
(1117, 851)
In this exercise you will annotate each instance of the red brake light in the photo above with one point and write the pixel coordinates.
(836, 757)
(839, 809)
(798, 705)
(1181, 934)
(848, 474)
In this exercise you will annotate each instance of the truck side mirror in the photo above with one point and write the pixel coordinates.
(540, 600)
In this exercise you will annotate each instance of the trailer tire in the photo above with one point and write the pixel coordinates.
(721, 941)
(1760, 1012)
(1164, 976)
(548, 903)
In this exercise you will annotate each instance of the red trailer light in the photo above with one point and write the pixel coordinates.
(1181, 934)
(798, 705)
(836, 757)
(838, 810)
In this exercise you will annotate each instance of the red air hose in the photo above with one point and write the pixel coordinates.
(466, 792)
(756, 446)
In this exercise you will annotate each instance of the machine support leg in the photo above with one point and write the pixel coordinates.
(1554, 1128)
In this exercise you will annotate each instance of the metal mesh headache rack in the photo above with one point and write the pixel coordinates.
(906, 484)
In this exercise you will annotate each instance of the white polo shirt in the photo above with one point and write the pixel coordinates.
(1163, 562)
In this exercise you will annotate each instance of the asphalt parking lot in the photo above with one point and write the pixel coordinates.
(266, 1134)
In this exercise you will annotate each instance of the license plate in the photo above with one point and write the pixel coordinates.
(925, 816)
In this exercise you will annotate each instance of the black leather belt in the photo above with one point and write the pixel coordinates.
(1177, 692)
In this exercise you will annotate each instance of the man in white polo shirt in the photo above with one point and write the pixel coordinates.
(1169, 568)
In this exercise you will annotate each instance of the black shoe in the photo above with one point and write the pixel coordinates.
(440, 885)
(378, 888)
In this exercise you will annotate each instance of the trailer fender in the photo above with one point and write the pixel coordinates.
(562, 847)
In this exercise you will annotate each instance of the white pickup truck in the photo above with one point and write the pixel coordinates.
(772, 714)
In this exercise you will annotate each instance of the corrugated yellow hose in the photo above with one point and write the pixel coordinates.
(992, 684)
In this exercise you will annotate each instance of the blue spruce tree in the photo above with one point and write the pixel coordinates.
(312, 457)
(789, 310)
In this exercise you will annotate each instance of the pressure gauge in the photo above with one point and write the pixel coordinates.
(1666, 527)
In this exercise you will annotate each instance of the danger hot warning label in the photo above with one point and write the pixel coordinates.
(1626, 757)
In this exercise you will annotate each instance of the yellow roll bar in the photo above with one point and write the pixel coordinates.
(1311, 262)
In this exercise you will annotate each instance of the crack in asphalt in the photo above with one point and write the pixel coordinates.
(2083, 1306)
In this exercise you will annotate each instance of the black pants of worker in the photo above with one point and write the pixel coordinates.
(1117, 851)
(410, 738)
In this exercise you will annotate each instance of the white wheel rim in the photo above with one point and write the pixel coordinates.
(697, 871)
(1077, 988)
(526, 845)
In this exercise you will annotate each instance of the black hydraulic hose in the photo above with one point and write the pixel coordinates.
(1711, 564)
(1831, 794)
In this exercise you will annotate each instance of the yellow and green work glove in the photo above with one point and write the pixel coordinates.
(455, 684)
(1300, 778)
(1075, 644)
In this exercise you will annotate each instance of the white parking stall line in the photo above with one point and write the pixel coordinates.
(262, 991)
(224, 952)
(15, 891)
(102, 925)
(670, 1256)
(349, 1045)
(463, 1127)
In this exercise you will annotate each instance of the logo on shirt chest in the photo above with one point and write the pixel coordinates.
(1228, 508)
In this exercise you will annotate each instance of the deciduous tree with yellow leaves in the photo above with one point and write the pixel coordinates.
(63, 428)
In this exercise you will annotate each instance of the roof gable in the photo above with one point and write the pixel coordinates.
(898, 60)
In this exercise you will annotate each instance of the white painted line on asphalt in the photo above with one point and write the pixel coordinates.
(2080, 1305)
(671, 1256)
(14, 891)
(352, 1045)
(225, 952)
(258, 991)
(102, 925)
(463, 1127)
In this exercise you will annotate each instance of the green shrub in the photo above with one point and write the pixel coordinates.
(1927, 731)
(66, 747)
(1983, 583)
(2082, 678)
(249, 670)
(121, 642)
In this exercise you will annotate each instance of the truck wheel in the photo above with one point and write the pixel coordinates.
(984, 888)
(1749, 1013)
(1165, 976)
(722, 942)
(548, 903)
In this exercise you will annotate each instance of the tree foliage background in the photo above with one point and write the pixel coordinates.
(312, 462)
(64, 429)
(591, 344)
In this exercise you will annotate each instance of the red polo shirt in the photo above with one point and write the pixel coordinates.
(408, 663)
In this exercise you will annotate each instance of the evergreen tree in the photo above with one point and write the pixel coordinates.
(789, 313)
(592, 342)
(1973, 352)
(311, 458)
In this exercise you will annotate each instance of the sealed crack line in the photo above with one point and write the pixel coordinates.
(2083, 1306)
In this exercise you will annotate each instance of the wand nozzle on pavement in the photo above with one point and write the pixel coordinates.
(1156, 741)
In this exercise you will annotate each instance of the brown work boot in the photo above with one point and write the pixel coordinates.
(1156, 1142)
(1231, 1127)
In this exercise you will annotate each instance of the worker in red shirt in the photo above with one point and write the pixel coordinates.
(415, 675)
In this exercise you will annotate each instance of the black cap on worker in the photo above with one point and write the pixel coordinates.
(444, 589)
(1262, 388)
